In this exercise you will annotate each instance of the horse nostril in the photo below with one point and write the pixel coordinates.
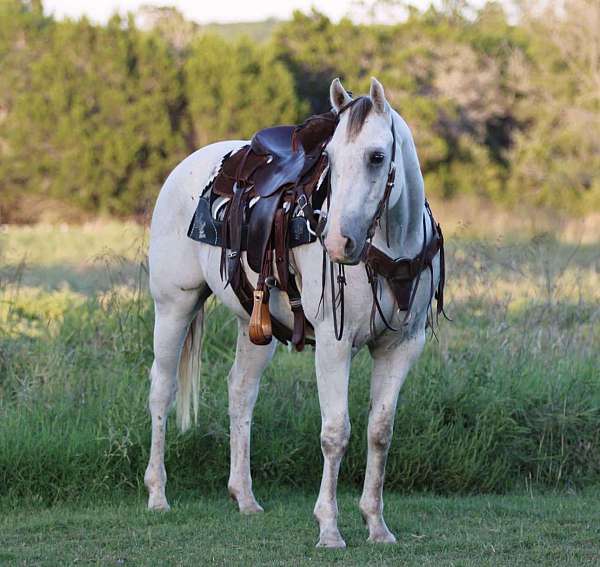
(350, 246)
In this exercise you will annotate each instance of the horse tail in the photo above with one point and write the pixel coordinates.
(188, 373)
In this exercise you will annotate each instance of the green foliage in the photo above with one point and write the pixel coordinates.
(99, 115)
(235, 89)
(95, 125)
(485, 419)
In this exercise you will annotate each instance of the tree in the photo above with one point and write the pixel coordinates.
(234, 89)
(98, 125)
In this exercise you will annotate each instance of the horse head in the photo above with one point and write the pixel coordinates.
(363, 161)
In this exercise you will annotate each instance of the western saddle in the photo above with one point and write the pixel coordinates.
(266, 199)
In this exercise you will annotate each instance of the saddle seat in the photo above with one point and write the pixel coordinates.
(276, 158)
(284, 162)
(269, 163)
(276, 140)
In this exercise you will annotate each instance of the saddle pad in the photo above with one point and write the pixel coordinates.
(204, 228)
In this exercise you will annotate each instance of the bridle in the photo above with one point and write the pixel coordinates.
(337, 299)
(383, 203)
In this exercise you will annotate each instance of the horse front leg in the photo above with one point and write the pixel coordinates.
(391, 366)
(333, 367)
(244, 379)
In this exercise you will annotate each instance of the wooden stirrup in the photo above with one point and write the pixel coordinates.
(259, 329)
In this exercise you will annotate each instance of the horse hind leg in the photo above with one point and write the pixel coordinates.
(177, 334)
(244, 380)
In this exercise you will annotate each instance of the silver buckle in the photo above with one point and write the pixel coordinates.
(302, 202)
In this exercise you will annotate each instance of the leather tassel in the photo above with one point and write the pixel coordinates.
(259, 329)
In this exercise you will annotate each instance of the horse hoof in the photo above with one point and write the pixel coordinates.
(383, 536)
(251, 508)
(158, 504)
(331, 541)
(329, 544)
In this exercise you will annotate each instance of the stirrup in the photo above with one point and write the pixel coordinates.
(259, 329)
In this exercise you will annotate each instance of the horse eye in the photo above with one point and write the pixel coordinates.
(376, 158)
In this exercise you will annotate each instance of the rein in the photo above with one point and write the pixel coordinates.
(377, 263)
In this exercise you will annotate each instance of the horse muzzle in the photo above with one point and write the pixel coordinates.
(344, 249)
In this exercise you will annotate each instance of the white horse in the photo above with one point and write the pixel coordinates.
(184, 272)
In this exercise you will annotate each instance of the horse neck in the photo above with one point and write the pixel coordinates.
(406, 216)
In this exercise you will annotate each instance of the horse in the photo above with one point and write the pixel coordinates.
(370, 140)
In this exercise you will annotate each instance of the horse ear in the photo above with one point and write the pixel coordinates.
(338, 95)
(378, 96)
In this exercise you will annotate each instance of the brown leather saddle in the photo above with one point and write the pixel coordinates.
(273, 187)
(281, 167)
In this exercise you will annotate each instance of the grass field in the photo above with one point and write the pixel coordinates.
(201, 530)
(506, 401)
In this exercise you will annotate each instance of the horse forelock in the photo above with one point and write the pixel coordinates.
(357, 115)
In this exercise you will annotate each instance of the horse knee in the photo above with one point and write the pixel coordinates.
(335, 437)
(380, 434)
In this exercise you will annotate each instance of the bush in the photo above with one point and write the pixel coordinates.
(485, 418)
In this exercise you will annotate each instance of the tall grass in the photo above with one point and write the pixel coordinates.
(508, 397)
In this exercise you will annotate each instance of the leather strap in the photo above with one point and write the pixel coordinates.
(236, 215)
(287, 281)
(280, 331)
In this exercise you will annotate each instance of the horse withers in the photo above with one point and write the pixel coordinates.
(380, 239)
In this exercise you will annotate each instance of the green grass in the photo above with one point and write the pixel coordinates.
(506, 401)
(490, 418)
(201, 530)
(508, 397)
